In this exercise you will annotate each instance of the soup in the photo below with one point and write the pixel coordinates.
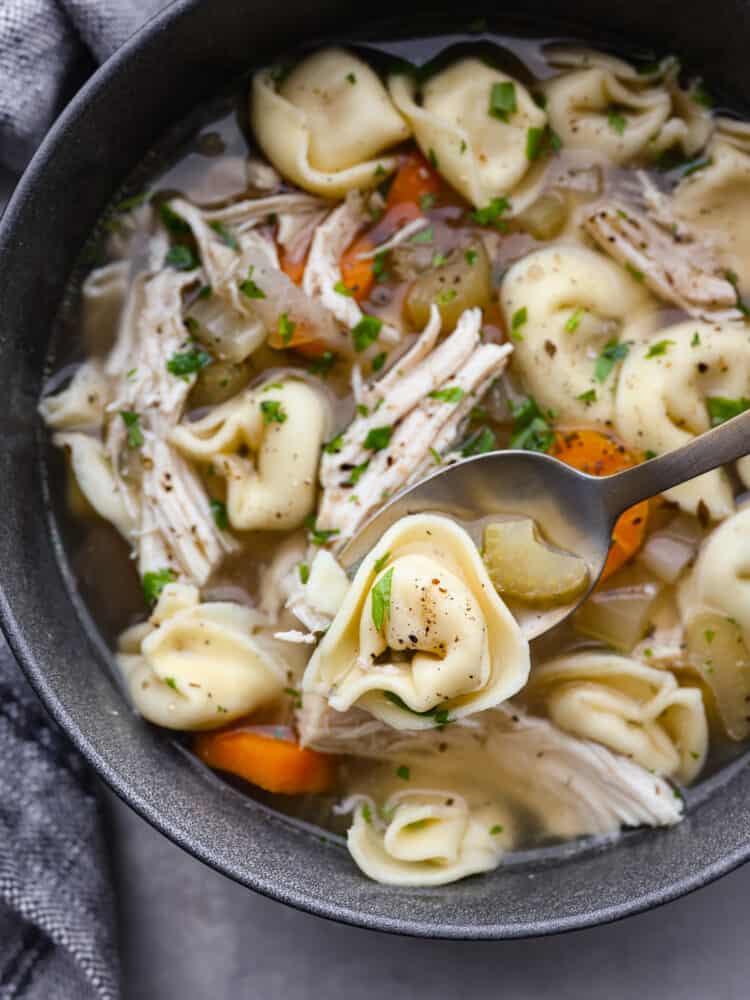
(366, 274)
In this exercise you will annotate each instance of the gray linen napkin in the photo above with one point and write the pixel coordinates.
(57, 928)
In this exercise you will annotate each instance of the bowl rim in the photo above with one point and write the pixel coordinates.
(148, 810)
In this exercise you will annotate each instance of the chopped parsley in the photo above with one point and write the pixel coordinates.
(334, 446)
(219, 514)
(226, 236)
(503, 100)
(432, 157)
(352, 79)
(324, 364)
(378, 361)
(341, 288)
(696, 341)
(403, 772)
(378, 438)
(588, 397)
(362, 410)
(479, 443)
(249, 288)
(709, 635)
(366, 812)
(319, 536)
(381, 599)
(616, 120)
(356, 474)
(286, 328)
(440, 715)
(425, 235)
(189, 362)
(660, 347)
(491, 214)
(273, 412)
(451, 394)
(531, 431)
(520, 316)
(439, 260)
(435, 455)
(634, 272)
(698, 164)
(205, 292)
(181, 258)
(132, 421)
(381, 563)
(612, 352)
(721, 409)
(155, 582)
(447, 296)
(701, 96)
(427, 201)
(295, 695)
(471, 257)
(174, 223)
(540, 141)
(366, 332)
(574, 320)
(304, 572)
(496, 829)
(378, 265)
(171, 682)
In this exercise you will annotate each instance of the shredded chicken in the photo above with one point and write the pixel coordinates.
(399, 404)
(176, 528)
(669, 262)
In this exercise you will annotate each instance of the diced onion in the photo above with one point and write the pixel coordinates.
(620, 615)
(668, 552)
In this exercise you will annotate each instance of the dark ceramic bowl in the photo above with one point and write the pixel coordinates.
(184, 56)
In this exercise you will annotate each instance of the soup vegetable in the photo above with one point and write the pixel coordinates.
(408, 269)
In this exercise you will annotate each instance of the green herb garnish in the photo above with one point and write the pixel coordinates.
(132, 421)
(378, 438)
(612, 352)
(225, 235)
(403, 772)
(574, 320)
(304, 572)
(324, 364)
(181, 258)
(425, 235)
(341, 288)
(381, 599)
(531, 431)
(660, 347)
(219, 514)
(616, 120)
(378, 361)
(366, 332)
(155, 581)
(721, 409)
(491, 214)
(451, 394)
(249, 288)
(273, 412)
(479, 443)
(503, 100)
(189, 362)
(588, 397)
(381, 563)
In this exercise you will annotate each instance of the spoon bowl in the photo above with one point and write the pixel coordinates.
(576, 511)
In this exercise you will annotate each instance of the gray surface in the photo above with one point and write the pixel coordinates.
(190, 934)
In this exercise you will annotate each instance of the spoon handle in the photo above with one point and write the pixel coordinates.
(725, 443)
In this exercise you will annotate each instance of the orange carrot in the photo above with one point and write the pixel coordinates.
(357, 273)
(293, 269)
(414, 178)
(277, 765)
(599, 455)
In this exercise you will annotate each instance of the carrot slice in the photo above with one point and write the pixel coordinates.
(414, 179)
(357, 273)
(277, 765)
(293, 269)
(600, 455)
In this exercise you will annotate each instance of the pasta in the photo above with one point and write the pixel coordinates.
(374, 271)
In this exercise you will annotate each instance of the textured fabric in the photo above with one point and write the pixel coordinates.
(57, 933)
(46, 49)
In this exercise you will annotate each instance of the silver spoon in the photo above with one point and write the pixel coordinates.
(575, 511)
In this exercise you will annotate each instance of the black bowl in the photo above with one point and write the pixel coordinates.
(180, 58)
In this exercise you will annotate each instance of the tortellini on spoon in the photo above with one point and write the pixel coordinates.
(671, 385)
(196, 665)
(324, 125)
(635, 710)
(422, 636)
(714, 602)
(473, 122)
(566, 306)
(427, 837)
(266, 443)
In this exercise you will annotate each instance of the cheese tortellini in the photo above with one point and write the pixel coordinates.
(324, 125)
(427, 837)
(483, 155)
(422, 636)
(664, 394)
(635, 710)
(196, 665)
(602, 104)
(266, 443)
(81, 404)
(92, 470)
(573, 302)
(714, 601)
(714, 202)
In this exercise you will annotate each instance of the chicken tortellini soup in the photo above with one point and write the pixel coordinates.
(363, 271)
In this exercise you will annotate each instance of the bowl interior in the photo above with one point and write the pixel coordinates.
(187, 54)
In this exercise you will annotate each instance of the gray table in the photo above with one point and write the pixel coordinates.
(190, 934)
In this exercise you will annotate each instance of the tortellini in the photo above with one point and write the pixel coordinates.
(266, 443)
(664, 393)
(91, 467)
(602, 104)
(196, 665)
(81, 404)
(482, 154)
(422, 636)
(572, 303)
(427, 838)
(324, 124)
(714, 601)
(635, 710)
(715, 200)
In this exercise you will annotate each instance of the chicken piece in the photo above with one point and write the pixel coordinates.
(175, 526)
(670, 263)
(420, 402)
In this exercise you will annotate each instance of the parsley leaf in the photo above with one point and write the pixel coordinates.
(471, 257)
(531, 431)
(503, 100)
(366, 332)
(721, 409)
(132, 421)
(574, 320)
(427, 201)
(304, 572)
(696, 341)
(378, 361)
(226, 236)
(341, 288)
(479, 443)
(181, 258)
(378, 438)
(319, 536)
(491, 214)
(588, 397)
(249, 288)
(173, 222)
(273, 412)
(520, 316)
(612, 352)
(334, 446)
(324, 364)
(381, 563)
(403, 772)
(451, 394)
(616, 120)
(155, 582)
(286, 328)
(446, 296)
(219, 513)
(660, 347)
(381, 599)
(189, 362)
(425, 235)
(356, 474)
